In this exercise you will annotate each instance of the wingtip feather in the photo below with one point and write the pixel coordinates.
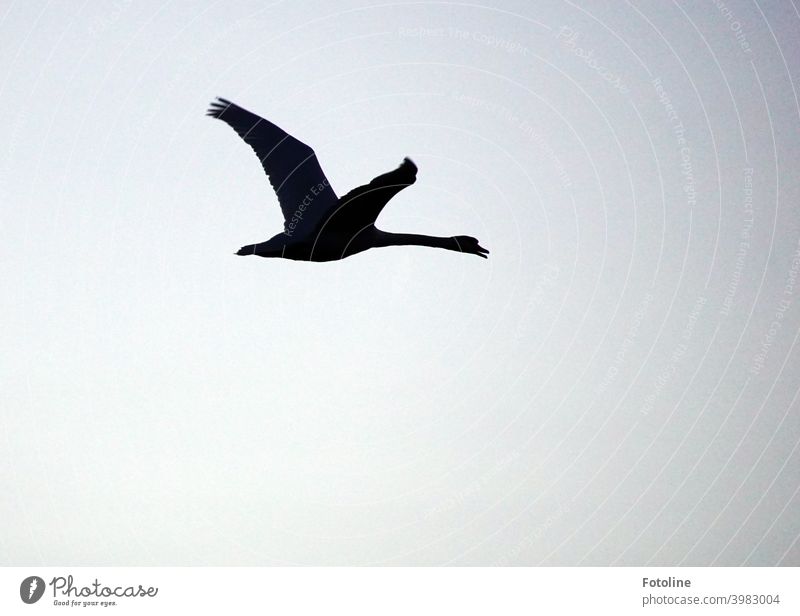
(217, 107)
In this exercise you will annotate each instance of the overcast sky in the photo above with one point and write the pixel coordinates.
(617, 384)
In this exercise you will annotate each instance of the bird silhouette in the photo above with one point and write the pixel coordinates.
(318, 225)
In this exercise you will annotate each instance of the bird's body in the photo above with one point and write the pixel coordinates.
(318, 225)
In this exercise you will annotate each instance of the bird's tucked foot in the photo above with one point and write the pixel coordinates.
(470, 245)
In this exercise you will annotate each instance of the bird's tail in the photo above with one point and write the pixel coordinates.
(247, 250)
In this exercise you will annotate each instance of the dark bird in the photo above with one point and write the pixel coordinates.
(318, 225)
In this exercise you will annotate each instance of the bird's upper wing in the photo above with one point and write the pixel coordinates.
(304, 193)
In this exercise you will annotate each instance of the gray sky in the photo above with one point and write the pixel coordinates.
(617, 384)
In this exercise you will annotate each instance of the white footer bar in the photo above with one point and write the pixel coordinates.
(402, 591)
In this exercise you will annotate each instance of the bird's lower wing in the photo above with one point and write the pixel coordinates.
(362, 206)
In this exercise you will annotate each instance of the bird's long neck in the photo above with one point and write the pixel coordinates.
(412, 239)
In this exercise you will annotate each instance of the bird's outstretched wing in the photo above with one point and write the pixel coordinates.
(304, 193)
(362, 205)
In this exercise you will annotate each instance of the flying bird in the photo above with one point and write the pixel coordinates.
(318, 225)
